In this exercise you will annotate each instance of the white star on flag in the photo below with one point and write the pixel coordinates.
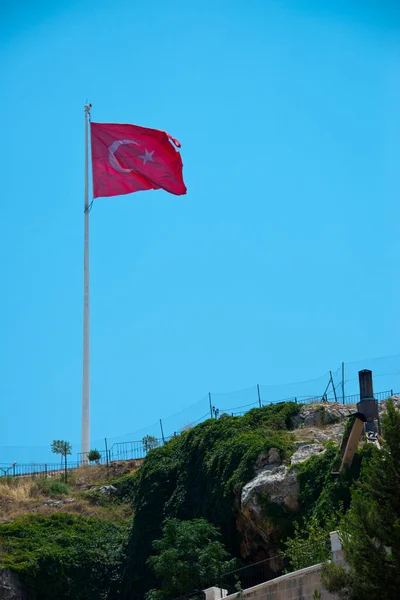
(147, 156)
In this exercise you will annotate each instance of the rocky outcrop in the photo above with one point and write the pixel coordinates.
(274, 483)
(268, 461)
(278, 484)
(382, 405)
(330, 433)
(306, 451)
(59, 503)
(325, 413)
(11, 588)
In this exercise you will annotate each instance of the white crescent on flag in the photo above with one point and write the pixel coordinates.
(113, 159)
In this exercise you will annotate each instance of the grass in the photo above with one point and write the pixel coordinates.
(53, 488)
(27, 495)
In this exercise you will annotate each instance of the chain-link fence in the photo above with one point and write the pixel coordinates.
(339, 385)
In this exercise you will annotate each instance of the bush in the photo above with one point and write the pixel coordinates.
(199, 474)
(94, 456)
(188, 557)
(323, 499)
(64, 556)
(49, 487)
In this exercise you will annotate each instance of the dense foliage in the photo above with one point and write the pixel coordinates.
(189, 556)
(370, 530)
(186, 499)
(323, 499)
(64, 556)
(94, 455)
(200, 474)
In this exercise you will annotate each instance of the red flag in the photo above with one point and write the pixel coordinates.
(128, 158)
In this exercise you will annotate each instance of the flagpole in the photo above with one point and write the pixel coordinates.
(86, 307)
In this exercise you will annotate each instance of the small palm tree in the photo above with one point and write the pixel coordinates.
(63, 448)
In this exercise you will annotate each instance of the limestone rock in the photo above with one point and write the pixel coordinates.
(279, 484)
(258, 531)
(55, 503)
(268, 461)
(382, 405)
(324, 413)
(107, 490)
(305, 452)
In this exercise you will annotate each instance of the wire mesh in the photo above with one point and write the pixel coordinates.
(330, 386)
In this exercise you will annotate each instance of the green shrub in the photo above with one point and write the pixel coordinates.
(323, 500)
(94, 456)
(49, 487)
(199, 474)
(125, 485)
(189, 556)
(64, 556)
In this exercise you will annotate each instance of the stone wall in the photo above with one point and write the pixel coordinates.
(299, 585)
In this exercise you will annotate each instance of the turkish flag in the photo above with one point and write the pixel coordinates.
(129, 158)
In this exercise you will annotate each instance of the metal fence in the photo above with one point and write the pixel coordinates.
(138, 449)
(351, 399)
(35, 470)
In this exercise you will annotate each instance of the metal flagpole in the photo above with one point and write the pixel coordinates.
(86, 308)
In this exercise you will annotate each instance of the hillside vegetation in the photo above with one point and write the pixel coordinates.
(198, 474)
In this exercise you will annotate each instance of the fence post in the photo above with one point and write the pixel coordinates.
(45, 470)
(324, 396)
(14, 469)
(259, 395)
(391, 393)
(162, 432)
(105, 441)
(209, 398)
(333, 386)
(343, 382)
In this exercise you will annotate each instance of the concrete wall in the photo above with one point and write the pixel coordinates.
(299, 585)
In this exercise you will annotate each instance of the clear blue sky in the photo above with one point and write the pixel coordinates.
(282, 260)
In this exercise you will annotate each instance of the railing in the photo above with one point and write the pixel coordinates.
(83, 457)
(35, 470)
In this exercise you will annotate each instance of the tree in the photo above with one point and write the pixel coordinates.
(149, 442)
(63, 448)
(94, 456)
(188, 557)
(371, 529)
